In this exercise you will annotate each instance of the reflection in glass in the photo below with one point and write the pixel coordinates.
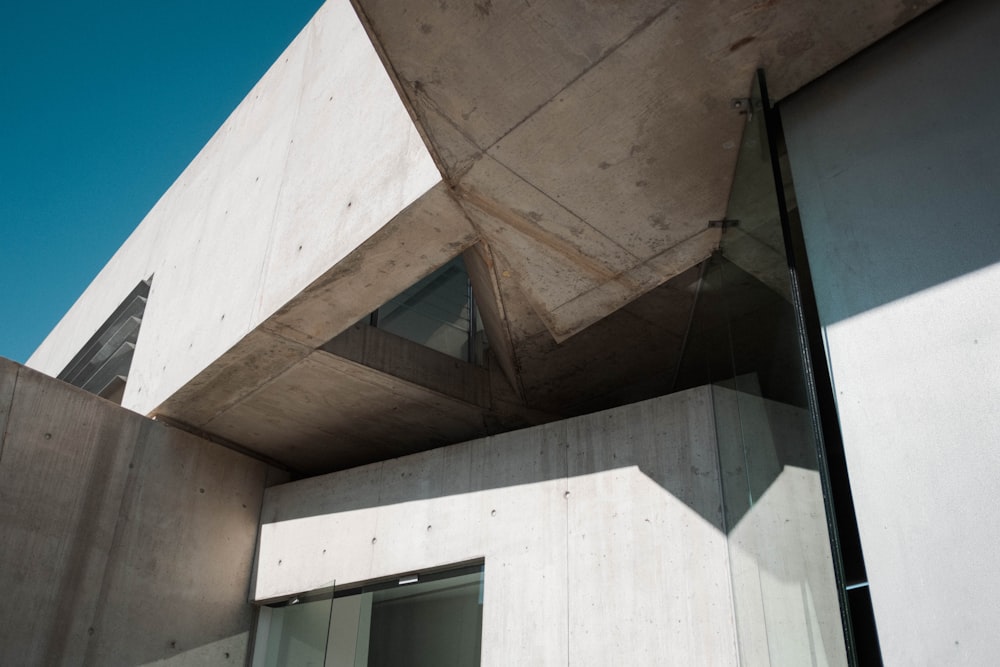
(296, 634)
(430, 620)
(744, 342)
(432, 624)
(438, 312)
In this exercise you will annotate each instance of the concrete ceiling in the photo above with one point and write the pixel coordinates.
(585, 146)
(592, 142)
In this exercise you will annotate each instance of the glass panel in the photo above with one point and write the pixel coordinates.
(435, 622)
(436, 312)
(296, 635)
(349, 631)
(744, 341)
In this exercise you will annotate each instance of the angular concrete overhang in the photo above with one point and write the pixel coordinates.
(592, 142)
(583, 149)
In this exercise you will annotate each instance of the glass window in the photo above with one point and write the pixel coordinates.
(295, 635)
(438, 312)
(418, 620)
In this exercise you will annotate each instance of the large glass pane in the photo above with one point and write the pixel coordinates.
(438, 312)
(426, 621)
(745, 343)
(432, 624)
(295, 635)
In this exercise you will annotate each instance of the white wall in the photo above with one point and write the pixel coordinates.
(785, 600)
(295, 179)
(895, 161)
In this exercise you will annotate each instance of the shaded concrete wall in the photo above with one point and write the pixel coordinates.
(319, 156)
(602, 536)
(122, 541)
(894, 158)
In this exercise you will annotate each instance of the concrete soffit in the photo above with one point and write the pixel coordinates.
(590, 144)
(584, 149)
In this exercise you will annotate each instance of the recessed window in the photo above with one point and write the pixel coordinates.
(419, 620)
(103, 365)
(438, 312)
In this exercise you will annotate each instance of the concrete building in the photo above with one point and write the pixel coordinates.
(536, 334)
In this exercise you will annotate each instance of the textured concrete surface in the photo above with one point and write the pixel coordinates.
(603, 536)
(591, 142)
(785, 598)
(894, 160)
(566, 517)
(585, 148)
(294, 181)
(124, 542)
(63, 472)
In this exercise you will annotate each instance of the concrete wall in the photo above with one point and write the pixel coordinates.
(785, 598)
(122, 541)
(294, 181)
(894, 157)
(602, 536)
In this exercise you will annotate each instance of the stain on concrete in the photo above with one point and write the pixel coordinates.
(484, 8)
(659, 221)
(795, 44)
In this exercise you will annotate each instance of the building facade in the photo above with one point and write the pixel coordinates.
(660, 333)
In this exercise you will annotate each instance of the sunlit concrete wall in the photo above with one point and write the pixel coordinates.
(895, 161)
(122, 541)
(602, 536)
(318, 157)
(785, 600)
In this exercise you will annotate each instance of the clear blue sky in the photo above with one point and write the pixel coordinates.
(102, 105)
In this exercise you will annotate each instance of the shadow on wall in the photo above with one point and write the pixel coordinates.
(123, 541)
(684, 464)
(620, 511)
(689, 427)
(894, 157)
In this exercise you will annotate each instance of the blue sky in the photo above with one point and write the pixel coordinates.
(102, 105)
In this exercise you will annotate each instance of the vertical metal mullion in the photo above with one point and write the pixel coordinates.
(471, 300)
(772, 125)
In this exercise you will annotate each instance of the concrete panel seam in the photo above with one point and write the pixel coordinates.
(249, 391)
(170, 422)
(569, 601)
(645, 23)
(474, 198)
(624, 274)
(116, 540)
(10, 406)
(725, 527)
